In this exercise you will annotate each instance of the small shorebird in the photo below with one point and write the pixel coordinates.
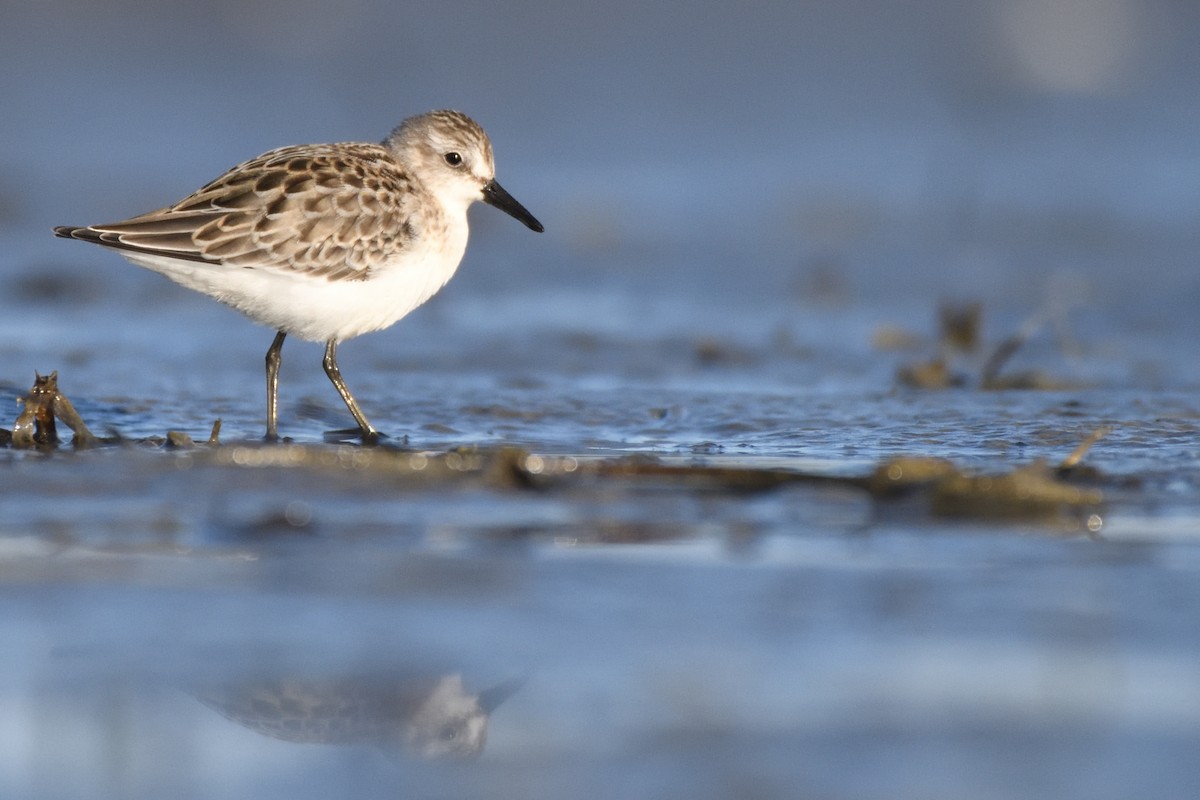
(325, 241)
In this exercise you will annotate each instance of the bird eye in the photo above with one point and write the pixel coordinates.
(453, 159)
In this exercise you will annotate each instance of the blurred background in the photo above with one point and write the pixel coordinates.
(753, 213)
(699, 162)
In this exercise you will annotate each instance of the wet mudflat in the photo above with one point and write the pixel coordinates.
(631, 591)
(747, 546)
(839, 438)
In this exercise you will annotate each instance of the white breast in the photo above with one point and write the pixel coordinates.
(316, 308)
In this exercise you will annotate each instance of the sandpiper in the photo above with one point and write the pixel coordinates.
(325, 241)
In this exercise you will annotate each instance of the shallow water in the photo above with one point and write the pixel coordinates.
(666, 637)
(172, 617)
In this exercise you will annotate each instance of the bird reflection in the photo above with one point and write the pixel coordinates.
(431, 718)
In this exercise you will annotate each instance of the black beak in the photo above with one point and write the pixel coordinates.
(490, 699)
(494, 195)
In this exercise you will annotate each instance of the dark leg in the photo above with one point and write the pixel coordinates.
(274, 358)
(369, 434)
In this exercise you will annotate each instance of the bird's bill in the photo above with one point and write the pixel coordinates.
(494, 195)
(490, 699)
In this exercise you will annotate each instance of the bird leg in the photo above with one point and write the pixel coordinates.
(274, 358)
(368, 433)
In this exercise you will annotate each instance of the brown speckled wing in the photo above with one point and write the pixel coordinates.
(326, 210)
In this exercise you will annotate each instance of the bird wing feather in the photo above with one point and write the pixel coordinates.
(325, 210)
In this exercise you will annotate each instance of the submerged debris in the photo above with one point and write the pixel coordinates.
(893, 338)
(178, 440)
(1032, 493)
(1072, 461)
(898, 477)
(959, 326)
(932, 374)
(990, 377)
(933, 486)
(1035, 492)
(35, 426)
(959, 335)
